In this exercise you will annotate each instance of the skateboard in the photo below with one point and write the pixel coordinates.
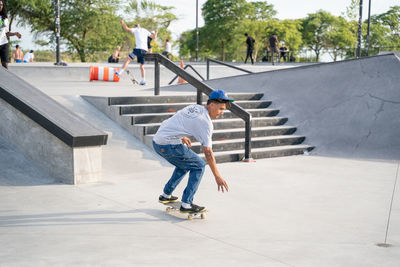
(132, 77)
(175, 206)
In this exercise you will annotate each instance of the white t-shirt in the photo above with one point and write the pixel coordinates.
(192, 120)
(168, 47)
(28, 56)
(3, 30)
(141, 35)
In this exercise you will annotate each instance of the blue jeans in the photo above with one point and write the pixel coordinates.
(184, 160)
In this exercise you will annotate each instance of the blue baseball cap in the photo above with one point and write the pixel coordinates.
(220, 94)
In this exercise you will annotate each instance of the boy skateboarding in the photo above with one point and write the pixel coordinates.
(172, 143)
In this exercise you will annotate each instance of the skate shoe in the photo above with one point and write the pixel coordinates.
(165, 200)
(193, 209)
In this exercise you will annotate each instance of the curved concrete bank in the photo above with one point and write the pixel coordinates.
(345, 109)
(53, 138)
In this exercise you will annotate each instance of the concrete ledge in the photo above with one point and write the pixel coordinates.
(64, 163)
(56, 140)
(52, 116)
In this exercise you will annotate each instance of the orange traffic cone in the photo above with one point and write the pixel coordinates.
(180, 80)
(103, 74)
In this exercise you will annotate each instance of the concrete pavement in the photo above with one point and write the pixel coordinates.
(291, 211)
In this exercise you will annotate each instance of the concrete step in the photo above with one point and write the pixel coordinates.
(226, 134)
(256, 142)
(259, 153)
(174, 107)
(230, 134)
(151, 128)
(255, 122)
(125, 100)
(159, 117)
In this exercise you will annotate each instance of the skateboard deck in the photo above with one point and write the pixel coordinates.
(175, 207)
(130, 75)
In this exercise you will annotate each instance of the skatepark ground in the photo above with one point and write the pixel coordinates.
(291, 211)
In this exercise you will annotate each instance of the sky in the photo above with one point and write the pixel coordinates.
(185, 10)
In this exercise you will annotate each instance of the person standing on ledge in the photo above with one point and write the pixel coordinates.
(172, 143)
(140, 51)
(4, 33)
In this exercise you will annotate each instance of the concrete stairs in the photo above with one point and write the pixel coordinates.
(271, 137)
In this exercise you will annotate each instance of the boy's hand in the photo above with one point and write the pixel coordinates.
(221, 184)
(186, 141)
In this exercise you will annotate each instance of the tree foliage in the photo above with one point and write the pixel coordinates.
(315, 31)
(87, 26)
(220, 18)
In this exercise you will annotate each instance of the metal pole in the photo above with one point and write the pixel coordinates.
(199, 99)
(208, 69)
(156, 77)
(359, 30)
(197, 30)
(57, 11)
(369, 18)
(247, 140)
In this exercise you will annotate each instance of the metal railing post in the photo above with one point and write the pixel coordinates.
(247, 140)
(199, 97)
(208, 69)
(156, 77)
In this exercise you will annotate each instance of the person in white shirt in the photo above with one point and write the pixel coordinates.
(4, 33)
(140, 51)
(172, 143)
(29, 56)
(168, 49)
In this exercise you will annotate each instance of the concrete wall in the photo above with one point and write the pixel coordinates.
(346, 109)
(62, 162)
(52, 137)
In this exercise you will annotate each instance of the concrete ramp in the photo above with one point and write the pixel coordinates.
(345, 109)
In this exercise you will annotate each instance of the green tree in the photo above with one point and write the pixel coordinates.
(391, 18)
(340, 38)
(260, 10)
(85, 24)
(315, 28)
(187, 44)
(385, 29)
(220, 18)
(13, 6)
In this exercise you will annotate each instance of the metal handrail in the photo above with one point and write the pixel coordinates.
(222, 63)
(187, 66)
(201, 88)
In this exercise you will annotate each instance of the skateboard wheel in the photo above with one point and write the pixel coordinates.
(203, 216)
(168, 210)
(190, 217)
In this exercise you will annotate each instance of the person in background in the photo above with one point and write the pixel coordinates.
(18, 55)
(4, 33)
(250, 48)
(149, 39)
(284, 51)
(114, 58)
(168, 49)
(29, 57)
(274, 47)
(140, 51)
